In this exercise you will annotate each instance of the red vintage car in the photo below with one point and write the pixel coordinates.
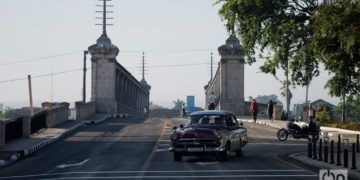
(209, 133)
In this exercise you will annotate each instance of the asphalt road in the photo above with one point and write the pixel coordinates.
(138, 149)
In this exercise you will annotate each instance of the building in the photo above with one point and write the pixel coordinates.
(317, 104)
(1, 107)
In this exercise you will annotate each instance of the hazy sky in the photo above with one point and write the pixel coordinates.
(171, 32)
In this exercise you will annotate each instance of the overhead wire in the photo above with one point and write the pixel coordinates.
(38, 59)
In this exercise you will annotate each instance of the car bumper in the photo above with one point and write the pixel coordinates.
(198, 150)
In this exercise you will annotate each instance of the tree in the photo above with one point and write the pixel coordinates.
(177, 104)
(8, 112)
(282, 27)
(283, 89)
(337, 44)
(352, 104)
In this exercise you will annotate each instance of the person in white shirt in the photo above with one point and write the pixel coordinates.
(311, 113)
(212, 101)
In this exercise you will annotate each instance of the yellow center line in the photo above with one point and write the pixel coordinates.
(293, 165)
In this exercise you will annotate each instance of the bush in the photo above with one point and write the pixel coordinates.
(324, 117)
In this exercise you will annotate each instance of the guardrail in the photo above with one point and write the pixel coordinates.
(38, 122)
(13, 129)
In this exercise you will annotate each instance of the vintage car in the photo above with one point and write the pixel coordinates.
(209, 133)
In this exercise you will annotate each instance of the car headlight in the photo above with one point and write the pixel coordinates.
(218, 135)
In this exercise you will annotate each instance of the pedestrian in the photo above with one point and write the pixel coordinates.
(311, 112)
(212, 101)
(254, 108)
(270, 110)
(183, 110)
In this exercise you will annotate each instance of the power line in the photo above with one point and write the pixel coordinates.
(173, 65)
(165, 51)
(38, 59)
(41, 75)
(122, 51)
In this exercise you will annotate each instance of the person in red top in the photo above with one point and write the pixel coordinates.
(254, 108)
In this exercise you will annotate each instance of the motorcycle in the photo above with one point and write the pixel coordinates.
(298, 130)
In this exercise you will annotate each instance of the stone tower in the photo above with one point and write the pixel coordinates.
(103, 74)
(231, 76)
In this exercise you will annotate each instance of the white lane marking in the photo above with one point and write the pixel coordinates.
(76, 164)
(185, 177)
(161, 150)
(279, 144)
(167, 144)
(180, 171)
(207, 163)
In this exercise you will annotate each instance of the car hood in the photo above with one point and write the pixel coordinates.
(200, 133)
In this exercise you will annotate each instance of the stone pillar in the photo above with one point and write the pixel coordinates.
(232, 76)
(103, 58)
(26, 126)
(2, 133)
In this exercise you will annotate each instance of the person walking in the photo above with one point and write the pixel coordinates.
(311, 113)
(183, 110)
(254, 109)
(212, 101)
(270, 109)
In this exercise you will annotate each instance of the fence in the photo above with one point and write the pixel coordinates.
(38, 121)
(13, 129)
(324, 150)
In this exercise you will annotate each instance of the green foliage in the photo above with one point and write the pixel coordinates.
(324, 117)
(299, 34)
(347, 125)
(280, 26)
(8, 112)
(337, 44)
(352, 106)
(177, 104)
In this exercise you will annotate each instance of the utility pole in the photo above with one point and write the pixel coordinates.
(211, 67)
(31, 110)
(143, 65)
(84, 77)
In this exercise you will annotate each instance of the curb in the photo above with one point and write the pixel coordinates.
(37, 147)
(98, 121)
(261, 122)
(352, 173)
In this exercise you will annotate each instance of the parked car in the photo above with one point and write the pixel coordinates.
(209, 133)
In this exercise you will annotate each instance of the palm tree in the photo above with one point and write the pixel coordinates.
(177, 104)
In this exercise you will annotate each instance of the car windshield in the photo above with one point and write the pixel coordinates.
(205, 120)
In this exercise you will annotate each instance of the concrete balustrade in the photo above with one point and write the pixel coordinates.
(57, 115)
(84, 110)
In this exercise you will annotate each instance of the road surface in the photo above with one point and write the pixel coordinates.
(138, 149)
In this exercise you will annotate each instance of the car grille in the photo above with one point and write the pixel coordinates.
(184, 143)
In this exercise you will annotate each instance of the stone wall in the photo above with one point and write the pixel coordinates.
(56, 116)
(84, 110)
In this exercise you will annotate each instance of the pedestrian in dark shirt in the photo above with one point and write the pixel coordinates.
(254, 108)
(271, 110)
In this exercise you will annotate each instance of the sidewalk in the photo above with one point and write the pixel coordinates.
(283, 124)
(331, 133)
(24, 147)
(354, 173)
